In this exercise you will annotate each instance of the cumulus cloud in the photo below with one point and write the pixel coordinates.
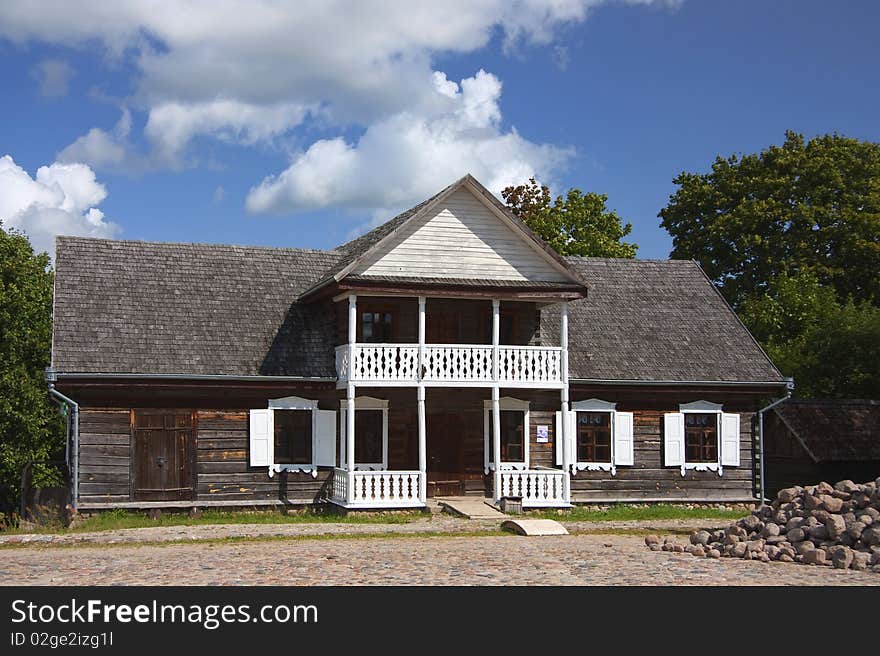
(60, 200)
(255, 71)
(101, 149)
(53, 76)
(172, 125)
(404, 158)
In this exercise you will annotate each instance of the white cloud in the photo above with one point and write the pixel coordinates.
(60, 200)
(172, 125)
(101, 149)
(407, 157)
(53, 76)
(256, 71)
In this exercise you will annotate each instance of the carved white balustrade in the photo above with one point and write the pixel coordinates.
(454, 364)
(376, 489)
(538, 488)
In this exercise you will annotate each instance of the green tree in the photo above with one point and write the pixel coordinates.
(812, 205)
(831, 348)
(30, 425)
(576, 224)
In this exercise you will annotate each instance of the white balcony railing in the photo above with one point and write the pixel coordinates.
(377, 489)
(518, 366)
(538, 488)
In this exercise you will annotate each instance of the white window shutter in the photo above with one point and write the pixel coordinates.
(572, 436)
(730, 440)
(557, 438)
(673, 439)
(262, 437)
(623, 438)
(325, 438)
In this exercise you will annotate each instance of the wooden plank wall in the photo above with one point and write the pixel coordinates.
(104, 455)
(223, 470)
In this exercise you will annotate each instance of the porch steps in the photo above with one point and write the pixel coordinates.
(470, 507)
(534, 527)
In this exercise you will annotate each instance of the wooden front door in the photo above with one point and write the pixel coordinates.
(164, 455)
(445, 442)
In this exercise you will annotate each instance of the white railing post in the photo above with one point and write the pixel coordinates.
(496, 333)
(496, 439)
(563, 332)
(423, 457)
(421, 369)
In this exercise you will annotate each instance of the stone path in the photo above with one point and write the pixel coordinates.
(447, 560)
(434, 524)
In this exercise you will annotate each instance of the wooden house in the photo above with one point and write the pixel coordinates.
(449, 351)
(808, 441)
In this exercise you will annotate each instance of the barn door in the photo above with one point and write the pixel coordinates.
(164, 449)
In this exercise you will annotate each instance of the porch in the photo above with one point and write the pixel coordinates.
(542, 487)
(415, 444)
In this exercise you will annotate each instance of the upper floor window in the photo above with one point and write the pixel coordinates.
(377, 326)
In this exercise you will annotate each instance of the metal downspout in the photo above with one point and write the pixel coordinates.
(761, 412)
(72, 445)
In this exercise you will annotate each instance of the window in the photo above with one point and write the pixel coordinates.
(293, 437)
(701, 437)
(370, 433)
(514, 434)
(512, 446)
(600, 437)
(368, 436)
(377, 327)
(593, 436)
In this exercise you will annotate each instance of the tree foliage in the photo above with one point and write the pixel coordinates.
(831, 348)
(791, 237)
(574, 224)
(30, 425)
(813, 205)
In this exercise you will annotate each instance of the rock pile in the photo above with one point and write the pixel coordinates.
(822, 524)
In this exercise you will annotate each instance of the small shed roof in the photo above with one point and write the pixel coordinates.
(834, 430)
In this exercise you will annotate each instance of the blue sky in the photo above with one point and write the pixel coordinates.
(281, 126)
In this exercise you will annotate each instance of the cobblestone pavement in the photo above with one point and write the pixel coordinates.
(447, 560)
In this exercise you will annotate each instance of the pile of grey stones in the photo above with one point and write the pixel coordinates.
(836, 526)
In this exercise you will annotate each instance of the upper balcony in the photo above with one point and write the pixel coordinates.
(450, 365)
(405, 341)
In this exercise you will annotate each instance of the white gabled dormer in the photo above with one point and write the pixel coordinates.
(462, 237)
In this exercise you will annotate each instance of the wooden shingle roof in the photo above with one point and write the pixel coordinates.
(834, 430)
(198, 309)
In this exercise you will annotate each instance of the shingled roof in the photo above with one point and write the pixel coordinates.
(197, 309)
(193, 309)
(834, 430)
(655, 321)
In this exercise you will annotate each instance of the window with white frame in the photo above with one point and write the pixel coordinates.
(370, 433)
(599, 436)
(293, 435)
(514, 433)
(701, 437)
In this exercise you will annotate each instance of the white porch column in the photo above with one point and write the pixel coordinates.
(496, 332)
(421, 371)
(423, 455)
(496, 439)
(350, 413)
(566, 465)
